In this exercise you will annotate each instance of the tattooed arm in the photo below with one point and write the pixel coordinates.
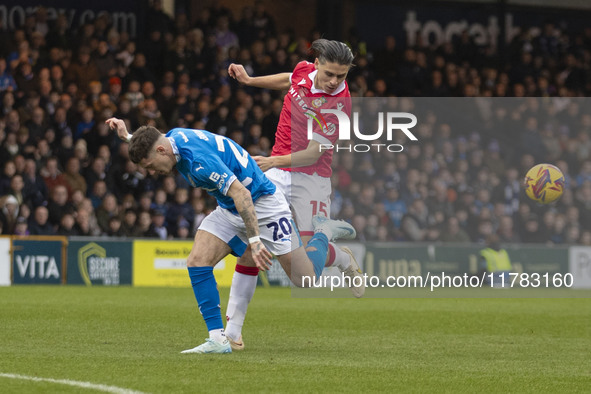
(245, 207)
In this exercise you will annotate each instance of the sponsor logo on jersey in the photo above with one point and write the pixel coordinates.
(219, 179)
(327, 128)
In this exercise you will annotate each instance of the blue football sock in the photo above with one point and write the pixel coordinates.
(207, 296)
(318, 257)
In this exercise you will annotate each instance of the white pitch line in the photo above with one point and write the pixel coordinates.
(86, 385)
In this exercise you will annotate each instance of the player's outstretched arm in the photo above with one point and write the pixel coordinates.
(119, 126)
(303, 158)
(274, 81)
(245, 207)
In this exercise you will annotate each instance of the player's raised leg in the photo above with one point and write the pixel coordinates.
(310, 201)
(343, 257)
(206, 252)
(298, 264)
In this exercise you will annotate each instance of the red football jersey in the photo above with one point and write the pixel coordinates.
(301, 103)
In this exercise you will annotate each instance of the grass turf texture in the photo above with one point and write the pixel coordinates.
(131, 338)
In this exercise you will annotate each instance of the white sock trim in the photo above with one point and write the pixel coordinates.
(218, 335)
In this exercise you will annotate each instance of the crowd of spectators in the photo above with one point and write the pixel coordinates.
(458, 185)
(63, 172)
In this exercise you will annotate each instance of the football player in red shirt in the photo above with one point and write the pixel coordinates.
(299, 166)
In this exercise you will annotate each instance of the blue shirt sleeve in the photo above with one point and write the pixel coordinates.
(212, 173)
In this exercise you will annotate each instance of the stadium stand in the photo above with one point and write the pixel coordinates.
(64, 172)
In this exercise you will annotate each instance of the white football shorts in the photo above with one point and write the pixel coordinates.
(275, 225)
(308, 195)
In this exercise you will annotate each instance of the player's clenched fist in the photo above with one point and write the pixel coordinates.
(264, 163)
(238, 72)
(119, 126)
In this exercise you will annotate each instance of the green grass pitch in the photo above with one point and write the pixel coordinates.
(131, 338)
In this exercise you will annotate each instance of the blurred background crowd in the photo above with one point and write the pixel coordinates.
(64, 173)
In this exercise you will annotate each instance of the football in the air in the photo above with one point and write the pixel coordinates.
(544, 183)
